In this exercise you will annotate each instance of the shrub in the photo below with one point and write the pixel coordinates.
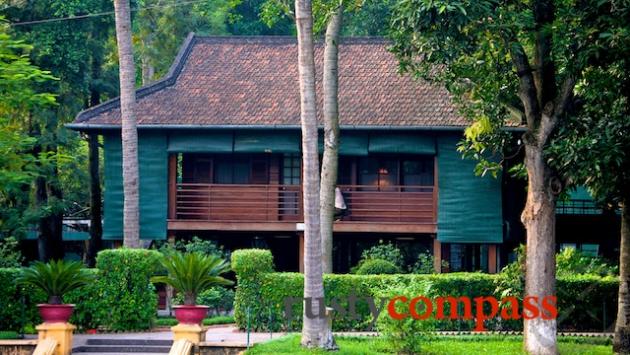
(406, 336)
(89, 309)
(573, 262)
(249, 264)
(377, 267)
(10, 255)
(384, 251)
(17, 303)
(424, 264)
(128, 295)
(584, 302)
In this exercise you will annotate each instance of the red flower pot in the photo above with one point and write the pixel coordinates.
(190, 314)
(55, 313)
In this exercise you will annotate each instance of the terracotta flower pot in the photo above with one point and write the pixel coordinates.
(55, 313)
(190, 314)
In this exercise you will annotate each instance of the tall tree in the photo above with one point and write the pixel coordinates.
(131, 212)
(593, 150)
(313, 325)
(503, 60)
(330, 159)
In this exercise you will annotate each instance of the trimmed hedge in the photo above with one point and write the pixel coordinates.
(120, 299)
(377, 267)
(248, 264)
(584, 302)
(126, 292)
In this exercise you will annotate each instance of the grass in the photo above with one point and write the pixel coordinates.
(471, 345)
(8, 334)
(171, 321)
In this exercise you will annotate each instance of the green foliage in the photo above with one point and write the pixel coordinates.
(17, 302)
(573, 262)
(583, 301)
(128, 296)
(192, 273)
(424, 264)
(592, 149)
(8, 334)
(217, 298)
(249, 264)
(196, 244)
(377, 267)
(89, 307)
(10, 255)
(384, 251)
(406, 336)
(170, 321)
(56, 278)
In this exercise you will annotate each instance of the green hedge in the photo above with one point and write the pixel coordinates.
(584, 302)
(128, 297)
(120, 299)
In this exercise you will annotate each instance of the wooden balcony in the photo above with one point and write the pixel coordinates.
(279, 207)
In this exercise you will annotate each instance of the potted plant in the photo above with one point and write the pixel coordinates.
(190, 274)
(56, 278)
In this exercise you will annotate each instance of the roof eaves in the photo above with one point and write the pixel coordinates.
(169, 79)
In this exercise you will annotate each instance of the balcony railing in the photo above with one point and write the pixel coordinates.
(277, 203)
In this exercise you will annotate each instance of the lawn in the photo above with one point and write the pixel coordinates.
(445, 345)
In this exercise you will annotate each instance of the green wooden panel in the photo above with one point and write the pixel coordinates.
(200, 142)
(153, 159)
(153, 165)
(350, 143)
(267, 142)
(469, 206)
(402, 143)
(113, 189)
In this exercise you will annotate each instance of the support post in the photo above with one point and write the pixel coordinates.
(172, 186)
(194, 333)
(301, 252)
(437, 255)
(492, 259)
(60, 332)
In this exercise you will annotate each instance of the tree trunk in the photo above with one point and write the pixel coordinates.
(96, 227)
(312, 327)
(330, 159)
(621, 343)
(539, 219)
(131, 213)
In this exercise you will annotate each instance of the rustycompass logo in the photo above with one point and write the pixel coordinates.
(401, 307)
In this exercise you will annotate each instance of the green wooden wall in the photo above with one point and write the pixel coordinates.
(153, 165)
(469, 206)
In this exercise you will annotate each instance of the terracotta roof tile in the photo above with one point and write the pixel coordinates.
(254, 81)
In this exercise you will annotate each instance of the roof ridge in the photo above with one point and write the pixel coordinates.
(168, 80)
(283, 39)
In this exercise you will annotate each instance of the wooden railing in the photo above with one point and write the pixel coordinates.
(274, 203)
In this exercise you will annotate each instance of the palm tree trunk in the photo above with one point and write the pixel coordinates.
(330, 160)
(313, 283)
(621, 343)
(131, 213)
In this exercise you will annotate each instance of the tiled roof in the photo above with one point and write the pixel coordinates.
(232, 81)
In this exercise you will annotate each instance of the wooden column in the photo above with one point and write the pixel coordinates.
(492, 259)
(301, 251)
(437, 255)
(172, 186)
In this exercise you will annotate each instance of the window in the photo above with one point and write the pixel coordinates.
(291, 169)
(468, 257)
(417, 172)
(590, 249)
(378, 171)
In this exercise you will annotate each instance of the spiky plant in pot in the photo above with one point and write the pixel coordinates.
(55, 279)
(190, 274)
